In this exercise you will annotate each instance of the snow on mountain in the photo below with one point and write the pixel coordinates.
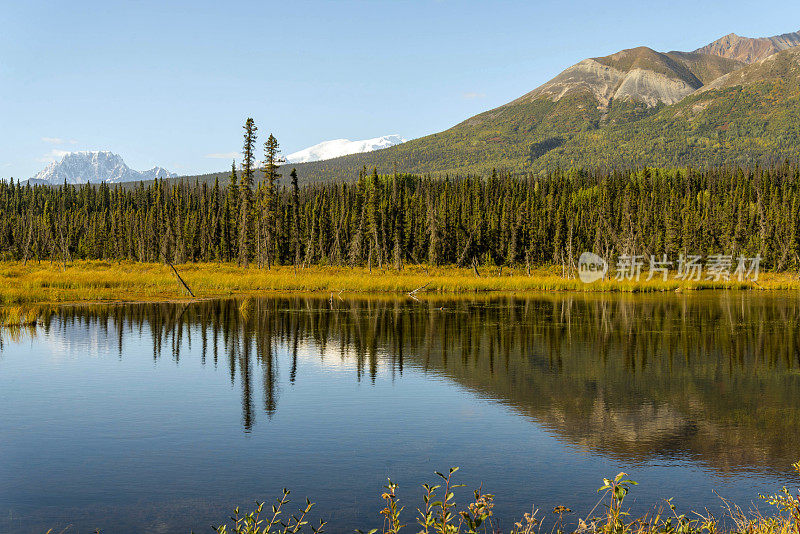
(342, 147)
(157, 172)
(95, 167)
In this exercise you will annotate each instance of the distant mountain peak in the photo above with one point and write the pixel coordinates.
(95, 166)
(343, 147)
(750, 49)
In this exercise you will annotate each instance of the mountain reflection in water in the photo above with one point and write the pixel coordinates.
(714, 377)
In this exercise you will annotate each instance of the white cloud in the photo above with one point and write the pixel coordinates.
(223, 155)
(53, 155)
(472, 95)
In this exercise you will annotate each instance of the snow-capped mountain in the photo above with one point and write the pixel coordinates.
(95, 167)
(156, 172)
(342, 147)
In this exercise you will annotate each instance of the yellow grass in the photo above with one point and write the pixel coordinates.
(128, 281)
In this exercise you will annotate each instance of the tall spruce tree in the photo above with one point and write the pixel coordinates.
(295, 218)
(231, 216)
(246, 226)
(272, 163)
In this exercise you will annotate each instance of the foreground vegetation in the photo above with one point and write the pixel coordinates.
(440, 514)
(100, 281)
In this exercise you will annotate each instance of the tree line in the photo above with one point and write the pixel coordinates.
(390, 220)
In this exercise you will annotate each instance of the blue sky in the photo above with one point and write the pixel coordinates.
(170, 83)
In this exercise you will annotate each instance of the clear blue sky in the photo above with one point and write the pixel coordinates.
(170, 83)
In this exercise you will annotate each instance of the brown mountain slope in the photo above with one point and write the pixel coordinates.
(748, 49)
(750, 115)
(781, 68)
(640, 75)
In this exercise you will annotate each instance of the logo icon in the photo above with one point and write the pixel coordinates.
(591, 267)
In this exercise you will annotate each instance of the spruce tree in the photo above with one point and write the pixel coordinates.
(295, 218)
(246, 228)
(271, 164)
(231, 216)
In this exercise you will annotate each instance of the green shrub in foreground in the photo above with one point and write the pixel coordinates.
(440, 514)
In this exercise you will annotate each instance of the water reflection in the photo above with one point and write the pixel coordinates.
(714, 377)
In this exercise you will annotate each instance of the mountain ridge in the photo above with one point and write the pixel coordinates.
(772, 68)
(750, 49)
(95, 166)
(639, 74)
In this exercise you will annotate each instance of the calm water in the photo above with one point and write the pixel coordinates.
(163, 417)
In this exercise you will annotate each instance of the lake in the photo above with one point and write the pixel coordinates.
(163, 417)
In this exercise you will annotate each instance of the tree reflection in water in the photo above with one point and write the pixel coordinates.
(713, 376)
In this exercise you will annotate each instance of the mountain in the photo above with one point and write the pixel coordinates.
(639, 75)
(717, 105)
(780, 68)
(342, 147)
(746, 116)
(156, 172)
(748, 49)
(94, 167)
(593, 95)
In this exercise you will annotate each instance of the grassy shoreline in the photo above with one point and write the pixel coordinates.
(99, 281)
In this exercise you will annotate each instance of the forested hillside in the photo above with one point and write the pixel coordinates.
(389, 220)
(631, 109)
